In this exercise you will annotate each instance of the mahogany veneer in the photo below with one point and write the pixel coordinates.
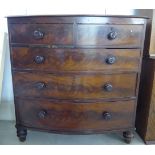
(76, 74)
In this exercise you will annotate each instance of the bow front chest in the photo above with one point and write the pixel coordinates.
(76, 74)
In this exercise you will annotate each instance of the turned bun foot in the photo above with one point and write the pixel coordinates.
(22, 138)
(21, 133)
(128, 136)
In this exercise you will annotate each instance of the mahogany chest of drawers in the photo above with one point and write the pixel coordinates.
(76, 74)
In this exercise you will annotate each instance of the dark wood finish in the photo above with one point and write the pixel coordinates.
(52, 33)
(21, 133)
(75, 59)
(97, 19)
(74, 86)
(74, 117)
(76, 74)
(62, 34)
(128, 135)
(145, 119)
(147, 38)
(99, 35)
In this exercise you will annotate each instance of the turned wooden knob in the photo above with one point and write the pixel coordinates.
(39, 59)
(108, 87)
(42, 114)
(40, 85)
(112, 35)
(106, 115)
(110, 59)
(38, 34)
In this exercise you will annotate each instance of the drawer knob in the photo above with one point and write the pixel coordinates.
(110, 59)
(38, 34)
(106, 115)
(108, 87)
(39, 59)
(42, 114)
(112, 35)
(40, 85)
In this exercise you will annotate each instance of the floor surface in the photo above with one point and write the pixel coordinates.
(8, 137)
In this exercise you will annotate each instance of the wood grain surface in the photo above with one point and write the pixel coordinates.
(98, 35)
(52, 33)
(74, 86)
(145, 122)
(75, 59)
(75, 117)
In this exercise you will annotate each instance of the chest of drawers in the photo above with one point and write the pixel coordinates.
(76, 74)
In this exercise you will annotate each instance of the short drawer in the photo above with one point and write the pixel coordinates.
(75, 86)
(109, 35)
(41, 33)
(48, 59)
(76, 117)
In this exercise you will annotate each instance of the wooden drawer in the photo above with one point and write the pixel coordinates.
(47, 59)
(41, 33)
(109, 35)
(74, 86)
(65, 116)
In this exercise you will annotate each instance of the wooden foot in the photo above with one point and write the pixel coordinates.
(128, 136)
(21, 133)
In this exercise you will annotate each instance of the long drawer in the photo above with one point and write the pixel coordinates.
(65, 116)
(47, 59)
(74, 86)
